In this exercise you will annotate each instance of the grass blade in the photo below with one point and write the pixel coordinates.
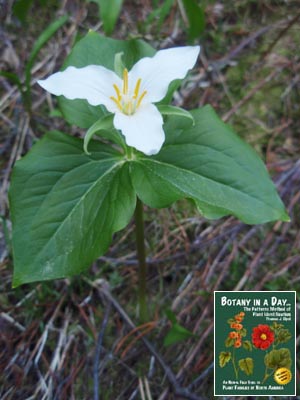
(109, 12)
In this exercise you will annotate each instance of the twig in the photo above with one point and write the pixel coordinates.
(252, 266)
(223, 62)
(16, 151)
(147, 327)
(250, 94)
(183, 13)
(42, 385)
(38, 349)
(10, 319)
(201, 377)
(197, 245)
(279, 36)
(98, 351)
(145, 384)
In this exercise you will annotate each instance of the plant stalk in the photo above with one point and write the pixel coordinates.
(141, 254)
(236, 371)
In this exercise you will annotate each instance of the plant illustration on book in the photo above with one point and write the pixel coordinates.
(68, 195)
(265, 336)
(235, 340)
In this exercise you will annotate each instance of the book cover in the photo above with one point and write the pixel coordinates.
(255, 343)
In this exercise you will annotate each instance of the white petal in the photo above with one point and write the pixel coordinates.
(163, 68)
(93, 83)
(142, 130)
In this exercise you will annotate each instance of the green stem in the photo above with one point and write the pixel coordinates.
(141, 253)
(236, 371)
(266, 375)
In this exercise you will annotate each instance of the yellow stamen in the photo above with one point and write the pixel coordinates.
(125, 81)
(141, 98)
(119, 96)
(117, 102)
(137, 88)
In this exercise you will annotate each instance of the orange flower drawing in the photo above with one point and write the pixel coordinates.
(233, 335)
(238, 327)
(235, 339)
(262, 337)
(238, 343)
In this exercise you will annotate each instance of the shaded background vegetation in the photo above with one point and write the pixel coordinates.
(249, 71)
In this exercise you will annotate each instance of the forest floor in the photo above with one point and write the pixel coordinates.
(249, 71)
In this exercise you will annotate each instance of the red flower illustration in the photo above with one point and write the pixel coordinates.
(262, 337)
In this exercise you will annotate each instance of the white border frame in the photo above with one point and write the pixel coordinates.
(295, 313)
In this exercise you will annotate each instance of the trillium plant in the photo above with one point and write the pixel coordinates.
(69, 195)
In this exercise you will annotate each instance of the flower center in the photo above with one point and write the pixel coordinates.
(263, 336)
(127, 101)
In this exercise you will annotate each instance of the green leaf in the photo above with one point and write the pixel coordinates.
(80, 112)
(159, 14)
(65, 206)
(56, 113)
(196, 18)
(224, 358)
(229, 342)
(282, 336)
(109, 12)
(99, 50)
(246, 365)
(119, 65)
(231, 321)
(12, 77)
(170, 93)
(276, 326)
(175, 111)
(164, 12)
(177, 333)
(247, 345)
(211, 165)
(278, 358)
(40, 42)
(243, 332)
(103, 127)
(21, 9)
(171, 316)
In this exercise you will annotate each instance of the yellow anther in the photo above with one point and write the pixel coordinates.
(119, 96)
(125, 81)
(141, 98)
(137, 88)
(117, 102)
(126, 100)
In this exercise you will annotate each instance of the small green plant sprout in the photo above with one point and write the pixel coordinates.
(109, 12)
(235, 340)
(68, 196)
(177, 333)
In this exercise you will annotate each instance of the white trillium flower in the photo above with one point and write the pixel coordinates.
(131, 98)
